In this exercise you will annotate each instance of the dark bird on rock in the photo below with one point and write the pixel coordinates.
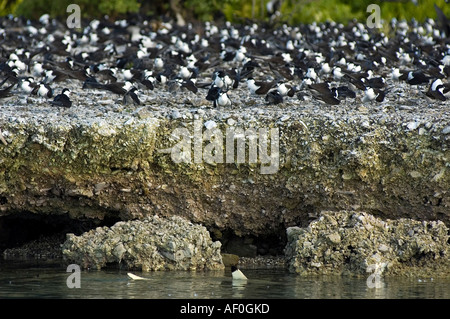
(213, 93)
(6, 91)
(259, 87)
(322, 92)
(190, 85)
(92, 83)
(344, 92)
(62, 99)
(417, 78)
(274, 97)
(115, 87)
(375, 83)
(381, 94)
(287, 72)
(356, 80)
(131, 97)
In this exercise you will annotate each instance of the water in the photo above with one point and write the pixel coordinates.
(51, 283)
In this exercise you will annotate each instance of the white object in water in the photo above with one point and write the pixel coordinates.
(237, 274)
(135, 277)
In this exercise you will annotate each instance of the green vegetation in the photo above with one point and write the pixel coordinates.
(35, 8)
(292, 11)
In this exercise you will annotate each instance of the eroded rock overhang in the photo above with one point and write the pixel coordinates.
(389, 159)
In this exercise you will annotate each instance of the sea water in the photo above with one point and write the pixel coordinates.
(54, 282)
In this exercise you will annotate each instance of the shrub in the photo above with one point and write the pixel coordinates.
(292, 11)
(33, 9)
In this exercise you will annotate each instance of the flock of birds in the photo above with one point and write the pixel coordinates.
(327, 62)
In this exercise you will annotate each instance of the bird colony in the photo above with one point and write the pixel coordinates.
(141, 62)
(349, 88)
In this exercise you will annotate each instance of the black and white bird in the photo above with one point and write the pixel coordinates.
(274, 97)
(381, 94)
(223, 99)
(436, 90)
(43, 90)
(286, 89)
(236, 274)
(218, 97)
(62, 99)
(147, 82)
(53, 75)
(27, 84)
(259, 87)
(344, 92)
(37, 68)
(222, 80)
(338, 74)
(417, 78)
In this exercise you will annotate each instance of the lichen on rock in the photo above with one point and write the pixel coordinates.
(355, 243)
(152, 243)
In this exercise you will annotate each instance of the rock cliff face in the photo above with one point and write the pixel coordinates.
(390, 161)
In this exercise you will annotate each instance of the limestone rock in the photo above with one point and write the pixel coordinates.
(94, 164)
(347, 242)
(230, 259)
(153, 243)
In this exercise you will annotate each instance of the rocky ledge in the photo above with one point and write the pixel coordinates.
(92, 162)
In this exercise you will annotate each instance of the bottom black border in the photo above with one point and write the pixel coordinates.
(225, 308)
